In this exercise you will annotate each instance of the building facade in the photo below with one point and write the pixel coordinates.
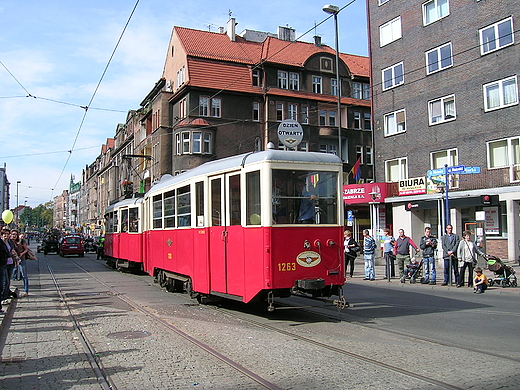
(445, 94)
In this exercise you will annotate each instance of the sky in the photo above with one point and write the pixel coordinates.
(59, 56)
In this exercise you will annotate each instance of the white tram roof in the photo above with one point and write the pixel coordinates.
(124, 202)
(241, 160)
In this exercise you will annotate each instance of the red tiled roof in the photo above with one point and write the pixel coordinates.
(216, 46)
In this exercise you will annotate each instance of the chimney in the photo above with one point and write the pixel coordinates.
(221, 30)
(231, 29)
(286, 33)
(317, 40)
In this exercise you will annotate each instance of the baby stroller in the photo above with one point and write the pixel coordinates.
(413, 270)
(504, 274)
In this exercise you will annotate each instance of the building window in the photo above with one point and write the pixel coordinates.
(256, 111)
(395, 123)
(282, 79)
(332, 118)
(441, 110)
(367, 119)
(181, 74)
(215, 107)
(255, 77)
(500, 94)
(178, 143)
(496, 36)
(361, 91)
(294, 81)
(182, 108)
(207, 143)
(305, 115)
(304, 146)
(369, 153)
(390, 31)
(323, 118)
(316, 84)
(334, 87)
(505, 153)
(279, 112)
(357, 120)
(185, 142)
(359, 153)
(393, 76)
(396, 169)
(203, 106)
(446, 157)
(439, 58)
(434, 10)
(197, 141)
(293, 111)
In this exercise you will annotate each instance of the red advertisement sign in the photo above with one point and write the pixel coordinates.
(365, 193)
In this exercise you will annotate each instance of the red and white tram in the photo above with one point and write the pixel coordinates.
(250, 227)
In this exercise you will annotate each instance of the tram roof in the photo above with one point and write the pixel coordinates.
(124, 202)
(245, 159)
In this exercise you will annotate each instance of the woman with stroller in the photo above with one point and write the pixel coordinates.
(467, 254)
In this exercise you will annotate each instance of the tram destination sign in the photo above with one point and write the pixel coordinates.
(290, 133)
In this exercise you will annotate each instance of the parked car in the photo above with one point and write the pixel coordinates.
(49, 244)
(71, 245)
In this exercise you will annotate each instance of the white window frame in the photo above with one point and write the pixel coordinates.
(256, 112)
(204, 105)
(445, 114)
(304, 114)
(186, 142)
(439, 61)
(331, 118)
(447, 156)
(292, 111)
(357, 120)
(359, 154)
(390, 31)
(280, 109)
(206, 143)
(334, 87)
(182, 108)
(402, 165)
(294, 81)
(283, 79)
(216, 107)
(317, 84)
(495, 26)
(437, 8)
(255, 77)
(509, 152)
(394, 82)
(501, 95)
(369, 153)
(396, 129)
(196, 144)
(367, 119)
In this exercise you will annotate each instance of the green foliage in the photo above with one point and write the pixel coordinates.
(39, 217)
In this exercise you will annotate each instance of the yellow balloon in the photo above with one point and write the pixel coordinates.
(7, 216)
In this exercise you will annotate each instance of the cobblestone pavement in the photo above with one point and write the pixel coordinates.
(41, 348)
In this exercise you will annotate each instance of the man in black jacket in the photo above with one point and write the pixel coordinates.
(4, 254)
(428, 245)
(450, 242)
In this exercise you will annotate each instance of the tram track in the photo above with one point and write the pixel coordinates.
(343, 352)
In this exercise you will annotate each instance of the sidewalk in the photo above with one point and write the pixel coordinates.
(39, 347)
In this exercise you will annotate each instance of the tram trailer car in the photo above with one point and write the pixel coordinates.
(250, 227)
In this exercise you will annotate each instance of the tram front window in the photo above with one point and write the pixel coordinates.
(304, 197)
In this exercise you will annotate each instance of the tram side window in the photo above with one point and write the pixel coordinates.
(124, 220)
(115, 226)
(234, 200)
(169, 209)
(133, 220)
(183, 206)
(216, 205)
(199, 205)
(308, 197)
(253, 208)
(109, 222)
(157, 211)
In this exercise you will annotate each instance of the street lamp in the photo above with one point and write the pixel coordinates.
(17, 202)
(334, 10)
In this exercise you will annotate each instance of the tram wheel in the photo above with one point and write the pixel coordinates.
(162, 279)
(188, 287)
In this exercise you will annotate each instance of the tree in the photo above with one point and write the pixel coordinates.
(39, 217)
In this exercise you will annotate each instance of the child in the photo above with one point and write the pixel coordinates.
(412, 268)
(480, 282)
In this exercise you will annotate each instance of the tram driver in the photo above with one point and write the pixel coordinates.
(307, 213)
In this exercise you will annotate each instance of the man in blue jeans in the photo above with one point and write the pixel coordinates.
(428, 245)
(369, 250)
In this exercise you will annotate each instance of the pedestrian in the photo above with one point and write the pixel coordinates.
(7, 270)
(4, 254)
(467, 254)
(369, 250)
(21, 249)
(481, 281)
(403, 244)
(450, 242)
(428, 246)
(351, 250)
(100, 253)
(388, 251)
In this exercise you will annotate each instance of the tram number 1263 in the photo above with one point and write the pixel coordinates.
(286, 267)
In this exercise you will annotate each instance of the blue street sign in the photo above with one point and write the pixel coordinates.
(456, 169)
(435, 172)
(468, 170)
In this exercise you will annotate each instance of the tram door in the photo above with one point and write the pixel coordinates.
(226, 254)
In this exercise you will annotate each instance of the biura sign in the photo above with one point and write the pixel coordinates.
(413, 186)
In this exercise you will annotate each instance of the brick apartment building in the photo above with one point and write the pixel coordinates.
(445, 91)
